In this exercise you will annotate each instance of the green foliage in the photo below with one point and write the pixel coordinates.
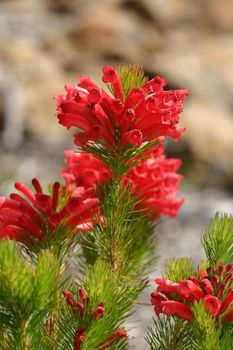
(100, 285)
(45, 280)
(218, 239)
(125, 239)
(120, 160)
(168, 333)
(205, 335)
(177, 269)
(226, 337)
(27, 296)
(60, 242)
(132, 76)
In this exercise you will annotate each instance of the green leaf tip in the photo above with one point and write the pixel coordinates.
(177, 269)
(168, 333)
(218, 239)
(132, 76)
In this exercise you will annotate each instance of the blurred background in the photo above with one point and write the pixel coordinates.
(46, 43)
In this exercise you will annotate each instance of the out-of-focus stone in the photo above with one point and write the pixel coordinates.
(209, 136)
(33, 79)
(173, 12)
(221, 14)
(46, 43)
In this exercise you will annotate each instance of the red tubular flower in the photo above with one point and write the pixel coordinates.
(155, 183)
(213, 304)
(215, 291)
(190, 290)
(228, 300)
(99, 311)
(166, 285)
(171, 307)
(84, 170)
(81, 304)
(40, 214)
(229, 315)
(156, 300)
(146, 114)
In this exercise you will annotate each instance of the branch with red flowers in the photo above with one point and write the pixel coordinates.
(202, 298)
(92, 317)
(118, 185)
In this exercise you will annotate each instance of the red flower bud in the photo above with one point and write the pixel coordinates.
(99, 311)
(82, 294)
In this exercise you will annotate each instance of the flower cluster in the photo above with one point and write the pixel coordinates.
(39, 214)
(214, 288)
(80, 308)
(154, 181)
(146, 113)
(83, 170)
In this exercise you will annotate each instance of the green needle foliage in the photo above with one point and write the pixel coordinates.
(124, 240)
(168, 333)
(177, 269)
(120, 160)
(218, 239)
(27, 296)
(205, 334)
(132, 76)
(101, 286)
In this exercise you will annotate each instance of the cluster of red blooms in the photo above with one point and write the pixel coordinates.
(154, 181)
(144, 115)
(80, 308)
(214, 288)
(84, 170)
(26, 219)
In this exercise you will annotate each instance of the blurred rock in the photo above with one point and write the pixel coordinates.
(221, 14)
(46, 43)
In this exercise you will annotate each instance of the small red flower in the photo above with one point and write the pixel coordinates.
(80, 308)
(112, 121)
(99, 311)
(214, 288)
(39, 214)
